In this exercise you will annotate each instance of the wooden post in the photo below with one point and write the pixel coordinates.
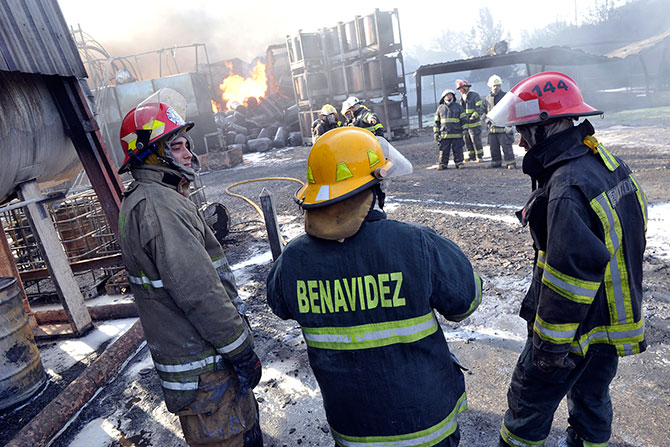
(55, 259)
(271, 224)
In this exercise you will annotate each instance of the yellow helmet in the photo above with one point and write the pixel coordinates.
(327, 109)
(342, 163)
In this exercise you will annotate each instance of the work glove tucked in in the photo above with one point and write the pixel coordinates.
(248, 369)
(548, 363)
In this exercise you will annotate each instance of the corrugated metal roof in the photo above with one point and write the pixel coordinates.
(34, 38)
(536, 56)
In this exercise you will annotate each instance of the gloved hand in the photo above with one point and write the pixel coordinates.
(436, 137)
(509, 130)
(549, 363)
(248, 369)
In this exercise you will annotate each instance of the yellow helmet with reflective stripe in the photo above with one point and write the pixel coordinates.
(342, 163)
(327, 109)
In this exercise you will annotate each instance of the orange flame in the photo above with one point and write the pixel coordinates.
(235, 89)
(215, 107)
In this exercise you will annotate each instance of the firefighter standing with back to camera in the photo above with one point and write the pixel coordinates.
(588, 221)
(472, 129)
(448, 129)
(183, 287)
(364, 290)
(499, 135)
(357, 115)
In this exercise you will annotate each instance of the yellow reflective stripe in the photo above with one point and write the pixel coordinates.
(497, 130)
(463, 115)
(470, 125)
(594, 444)
(574, 289)
(188, 366)
(450, 120)
(475, 302)
(558, 334)
(642, 199)
(608, 159)
(230, 347)
(373, 158)
(616, 276)
(143, 280)
(478, 103)
(424, 438)
(451, 135)
(625, 337)
(371, 335)
(517, 441)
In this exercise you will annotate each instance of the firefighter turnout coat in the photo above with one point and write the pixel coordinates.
(588, 221)
(449, 121)
(366, 308)
(368, 120)
(182, 285)
(474, 110)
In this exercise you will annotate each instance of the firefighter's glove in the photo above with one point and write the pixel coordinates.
(436, 137)
(509, 130)
(248, 370)
(548, 363)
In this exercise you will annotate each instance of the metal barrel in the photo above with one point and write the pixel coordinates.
(21, 371)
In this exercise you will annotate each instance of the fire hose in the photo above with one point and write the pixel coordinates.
(251, 202)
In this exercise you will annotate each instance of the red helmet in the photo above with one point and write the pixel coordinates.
(462, 83)
(541, 97)
(151, 115)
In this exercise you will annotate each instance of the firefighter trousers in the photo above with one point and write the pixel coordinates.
(533, 397)
(473, 141)
(451, 441)
(497, 139)
(453, 145)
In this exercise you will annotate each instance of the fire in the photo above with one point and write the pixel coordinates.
(235, 89)
(215, 107)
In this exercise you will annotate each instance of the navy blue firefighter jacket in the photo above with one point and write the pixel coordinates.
(366, 308)
(588, 220)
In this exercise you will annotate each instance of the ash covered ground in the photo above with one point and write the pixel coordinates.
(475, 208)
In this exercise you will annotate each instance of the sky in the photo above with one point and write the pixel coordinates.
(245, 28)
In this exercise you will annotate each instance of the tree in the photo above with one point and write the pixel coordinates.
(484, 35)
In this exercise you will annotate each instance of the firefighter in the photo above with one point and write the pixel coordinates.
(588, 220)
(499, 135)
(448, 129)
(364, 290)
(358, 115)
(328, 119)
(474, 111)
(183, 287)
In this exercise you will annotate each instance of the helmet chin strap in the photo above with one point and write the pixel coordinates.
(185, 171)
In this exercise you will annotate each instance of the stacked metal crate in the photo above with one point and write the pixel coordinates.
(362, 58)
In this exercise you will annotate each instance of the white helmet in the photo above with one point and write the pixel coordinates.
(447, 91)
(494, 80)
(349, 103)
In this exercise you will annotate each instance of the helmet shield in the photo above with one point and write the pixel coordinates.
(511, 110)
(399, 164)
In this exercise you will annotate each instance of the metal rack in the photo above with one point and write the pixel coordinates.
(362, 57)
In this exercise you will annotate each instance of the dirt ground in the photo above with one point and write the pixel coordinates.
(473, 207)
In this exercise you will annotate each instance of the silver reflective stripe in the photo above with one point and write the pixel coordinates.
(570, 334)
(141, 280)
(219, 262)
(188, 366)
(179, 386)
(614, 265)
(234, 345)
(608, 335)
(575, 290)
(421, 441)
(373, 335)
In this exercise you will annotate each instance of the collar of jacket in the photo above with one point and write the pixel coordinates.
(163, 175)
(545, 157)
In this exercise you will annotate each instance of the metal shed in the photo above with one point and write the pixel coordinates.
(535, 59)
